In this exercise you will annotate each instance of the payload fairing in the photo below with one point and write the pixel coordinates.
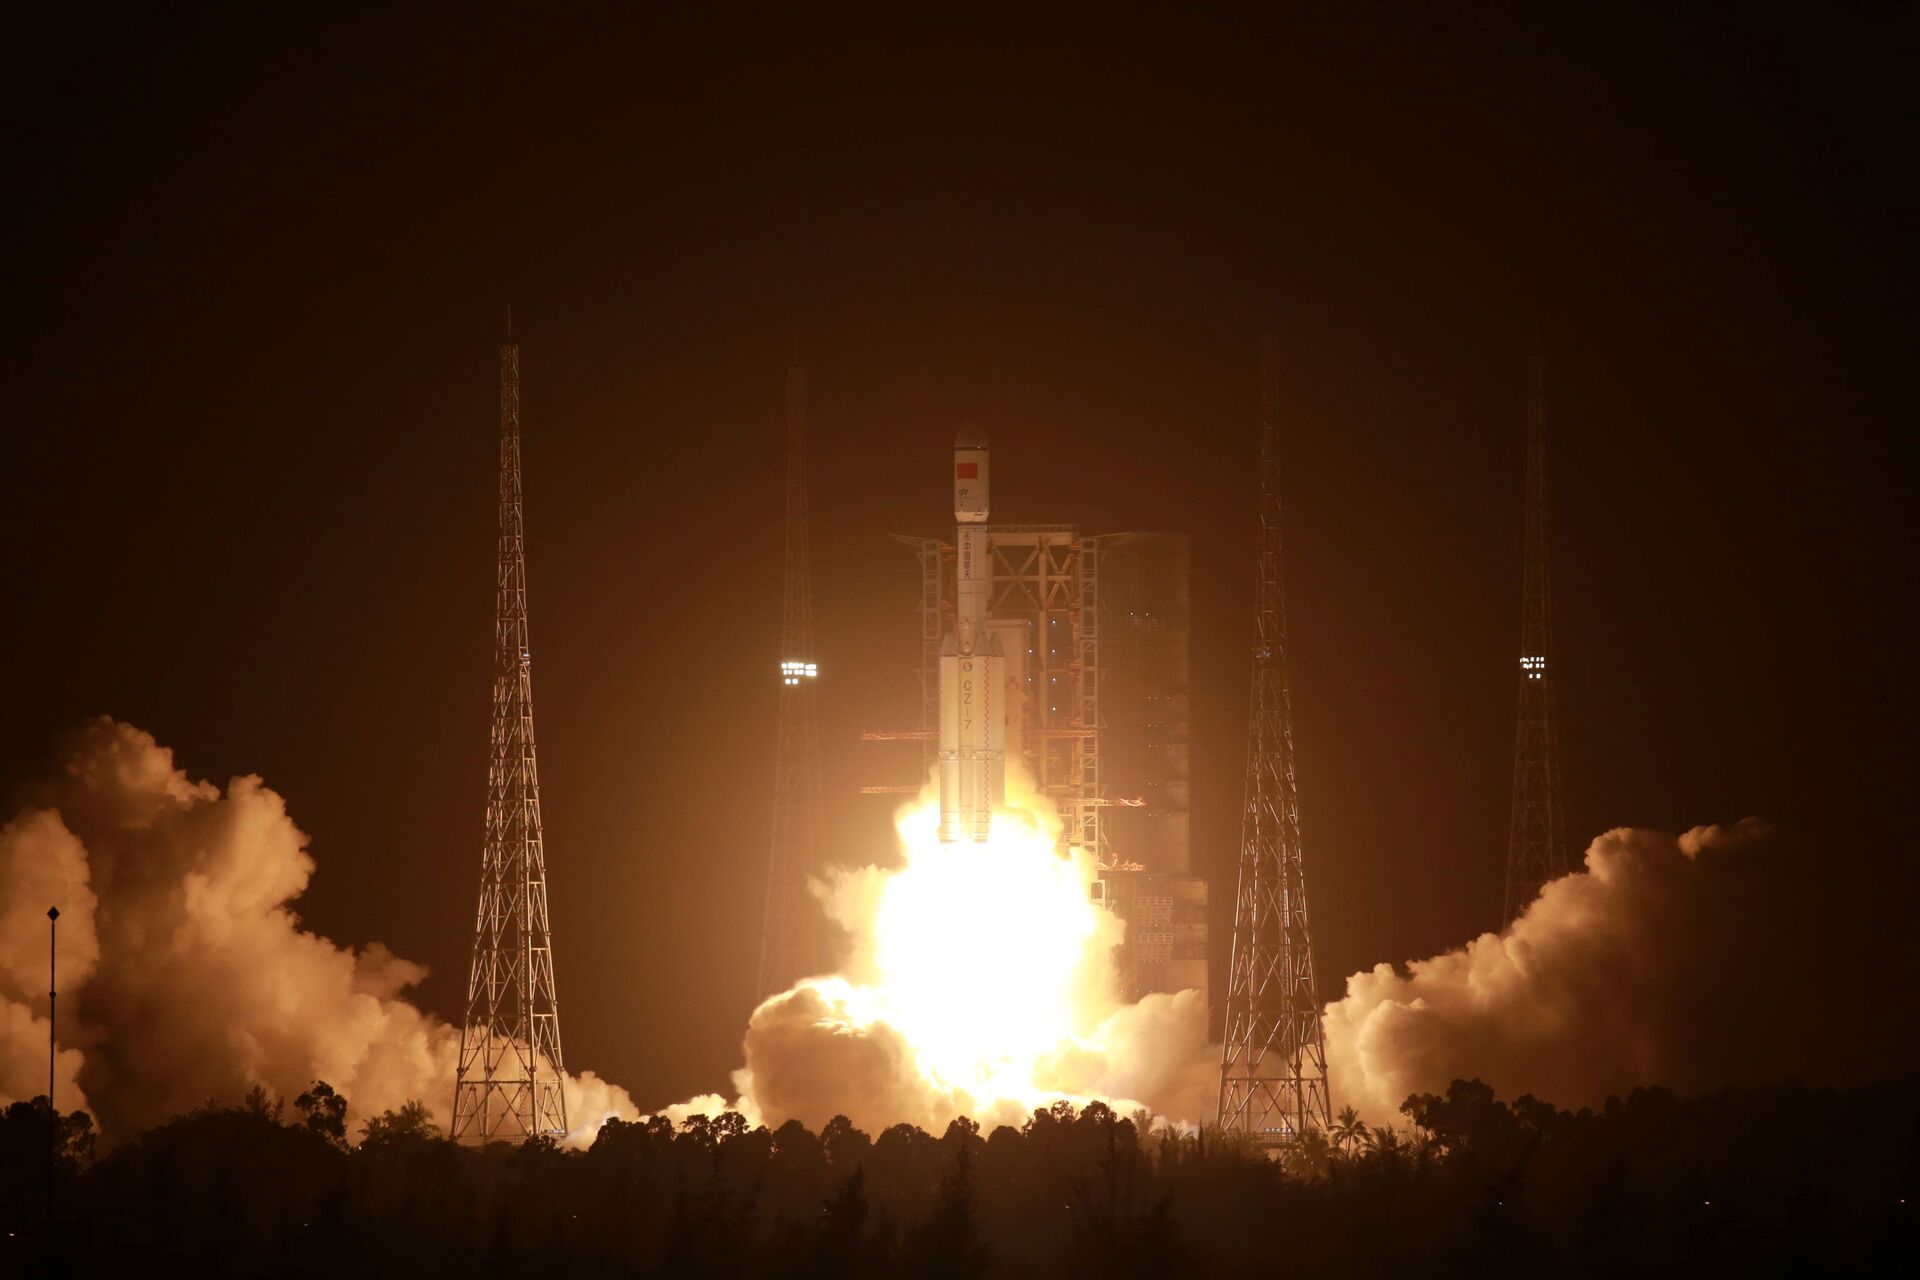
(973, 711)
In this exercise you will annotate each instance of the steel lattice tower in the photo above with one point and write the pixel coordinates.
(1273, 1065)
(790, 933)
(509, 1082)
(1536, 838)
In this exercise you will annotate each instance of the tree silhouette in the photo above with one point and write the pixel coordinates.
(412, 1123)
(842, 1247)
(1649, 1183)
(1349, 1130)
(324, 1111)
(946, 1245)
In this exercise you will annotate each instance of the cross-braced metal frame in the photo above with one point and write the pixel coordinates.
(1536, 835)
(509, 1084)
(790, 944)
(1273, 1066)
(1047, 577)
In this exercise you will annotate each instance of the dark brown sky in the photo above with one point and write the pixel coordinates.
(258, 273)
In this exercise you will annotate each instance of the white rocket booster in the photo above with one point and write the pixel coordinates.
(973, 713)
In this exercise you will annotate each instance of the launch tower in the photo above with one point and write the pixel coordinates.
(509, 1081)
(1536, 835)
(1273, 1066)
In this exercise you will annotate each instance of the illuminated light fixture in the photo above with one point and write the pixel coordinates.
(1534, 665)
(793, 671)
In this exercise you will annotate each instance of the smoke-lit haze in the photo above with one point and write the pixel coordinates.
(184, 972)
(1688, 961)
(251, 464)
(975, 979)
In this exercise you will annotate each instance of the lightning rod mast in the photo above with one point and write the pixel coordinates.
(1273, 1065)
(509, 1085)
(790, 930)
(1536, 836)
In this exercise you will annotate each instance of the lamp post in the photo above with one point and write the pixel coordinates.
(53, 1113)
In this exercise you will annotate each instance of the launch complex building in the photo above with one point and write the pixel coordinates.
(1065, 654)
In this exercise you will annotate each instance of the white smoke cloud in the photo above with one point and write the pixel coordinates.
(1714, 958)
(976, 982)
(813, 1053)
(811, 1056)
(1157, 1051)
(1690, 961)
(185, 972)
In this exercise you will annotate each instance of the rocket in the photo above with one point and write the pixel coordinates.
(973, 712)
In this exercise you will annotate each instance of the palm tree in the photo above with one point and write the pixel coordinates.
(1348, 1129)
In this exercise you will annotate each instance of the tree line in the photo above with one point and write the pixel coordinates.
(1781, 1180)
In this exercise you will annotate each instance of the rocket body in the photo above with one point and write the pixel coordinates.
(973, 712)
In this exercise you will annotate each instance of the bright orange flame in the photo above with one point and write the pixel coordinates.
(979, 982)
(990, 957)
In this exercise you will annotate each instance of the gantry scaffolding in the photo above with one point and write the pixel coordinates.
(1094, 632)
(1045, 608)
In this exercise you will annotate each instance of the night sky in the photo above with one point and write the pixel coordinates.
(258, 275)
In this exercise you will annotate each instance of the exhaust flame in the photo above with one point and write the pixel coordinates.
(983, 952)
(980, 981)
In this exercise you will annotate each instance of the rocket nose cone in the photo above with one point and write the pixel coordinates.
(971, 436)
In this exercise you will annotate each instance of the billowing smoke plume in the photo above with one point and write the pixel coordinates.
(184, 972)
(1694, 961)
(979, 980)
(812, 1054)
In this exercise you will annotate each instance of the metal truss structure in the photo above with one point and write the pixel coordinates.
(1536, 835)
(936, 614)
(1273, 1066)
(1076, 620)
(790, 933)
(509, 1083)
(1046, 601)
